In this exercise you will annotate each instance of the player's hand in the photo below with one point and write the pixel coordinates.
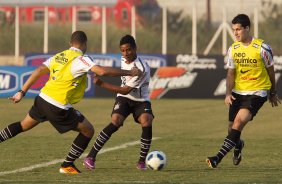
(136, 72)
(16, 98)
(97, 80)
(274, 100)
(229, 99)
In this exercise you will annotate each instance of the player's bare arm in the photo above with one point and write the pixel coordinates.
(109, 71)
(229, 86)
(36, 74)
(273, 97)
(117, 89)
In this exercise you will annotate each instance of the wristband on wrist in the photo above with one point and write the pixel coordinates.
(22, 92)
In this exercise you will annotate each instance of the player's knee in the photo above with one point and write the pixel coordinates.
(27, 125)
(117, 123)
(87, 130)
(91, 130)
(146, 120)
(146, 123)
(238, 125)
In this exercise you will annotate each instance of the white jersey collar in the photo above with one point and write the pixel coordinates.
(76, 49)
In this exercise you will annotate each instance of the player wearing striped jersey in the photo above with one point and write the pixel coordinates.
(132, 97)
(66, 86)
(250, 79)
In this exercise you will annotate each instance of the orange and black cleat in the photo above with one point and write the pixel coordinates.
(71, 169)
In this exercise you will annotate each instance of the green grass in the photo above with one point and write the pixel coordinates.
(189, 131)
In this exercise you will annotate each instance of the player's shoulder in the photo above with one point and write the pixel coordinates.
(266, 46)
(85, 59)
(88, 58)
(142, 62)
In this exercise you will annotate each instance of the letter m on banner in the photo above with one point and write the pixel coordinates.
(4, 81)
(8, 82)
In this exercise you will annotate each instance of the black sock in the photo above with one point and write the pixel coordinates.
(230, 141)
(77, 148)
(10, 131)
(102, 138)
(146, 139)
(239, 145)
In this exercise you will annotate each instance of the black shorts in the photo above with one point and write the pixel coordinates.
(251, 102)
(63, 120)
(125, 106)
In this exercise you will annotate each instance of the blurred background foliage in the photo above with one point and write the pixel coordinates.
(148, 34)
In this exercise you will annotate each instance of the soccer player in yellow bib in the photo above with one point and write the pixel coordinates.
(66, 86)
(250, 79)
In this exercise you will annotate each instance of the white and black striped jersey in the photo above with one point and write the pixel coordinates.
(140, 84)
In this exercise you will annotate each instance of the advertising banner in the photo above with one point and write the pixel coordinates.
(172, 76)
(197, 77)
(12, 79)
(110, 60)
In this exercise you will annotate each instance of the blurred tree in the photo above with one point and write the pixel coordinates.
(270, 28)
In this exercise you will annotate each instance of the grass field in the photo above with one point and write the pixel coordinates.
(187, 130)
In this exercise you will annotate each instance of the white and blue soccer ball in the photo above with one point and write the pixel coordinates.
(156, 160)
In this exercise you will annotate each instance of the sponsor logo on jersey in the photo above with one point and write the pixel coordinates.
(240, 59)
(60, 58)
(169, 78)
(245, 60)
(8, 81)
(83, 61)
(255, 45)
(244, 71)
(236, 46)
(266, 57)
(240, 54)
(247, 78)
(54, 71)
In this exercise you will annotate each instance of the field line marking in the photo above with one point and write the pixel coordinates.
(46, 164)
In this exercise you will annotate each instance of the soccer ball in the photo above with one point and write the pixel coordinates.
(156, 160)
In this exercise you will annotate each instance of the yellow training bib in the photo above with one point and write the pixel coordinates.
(251, 74)
(62, 86)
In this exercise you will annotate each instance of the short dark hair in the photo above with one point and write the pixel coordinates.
(78, 37)
(242, 19)
(128, 39)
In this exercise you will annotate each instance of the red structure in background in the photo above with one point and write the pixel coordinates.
(120, 13)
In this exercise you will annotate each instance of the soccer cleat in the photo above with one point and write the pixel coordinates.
(212, 161)
(69, 170)
(89, 163)
(141, 165)
(237, 155)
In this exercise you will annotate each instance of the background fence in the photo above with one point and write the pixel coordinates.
(192, 35)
